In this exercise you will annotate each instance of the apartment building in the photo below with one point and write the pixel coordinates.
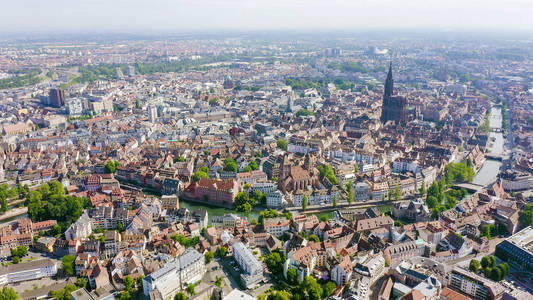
(276, 226)
(173, 277)
(252, 268)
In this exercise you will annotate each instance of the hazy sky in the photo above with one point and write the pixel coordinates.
(205, 15)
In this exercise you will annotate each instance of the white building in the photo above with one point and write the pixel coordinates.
(266, 187)
(246, 259)
(275, 199)
(400, 166)
(252, 268)
(27, 271)
(152, 113)
(75, 106)
(80, 229)
(276, 226)
(175, 275)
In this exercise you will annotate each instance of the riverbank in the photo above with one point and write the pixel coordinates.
(491, 168)
(12, 214)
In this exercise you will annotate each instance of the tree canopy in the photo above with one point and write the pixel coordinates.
(111, 166)
(326, 170)
(458, 172)
(282, 144)
(230, 165)
(49, 202)
(7, 293)
(526, 215)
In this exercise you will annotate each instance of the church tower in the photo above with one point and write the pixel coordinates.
(394, 108)
(389, 84)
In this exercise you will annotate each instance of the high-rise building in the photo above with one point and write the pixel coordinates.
(394, 108)
(56, 97)
(152, 113)
(228, 83)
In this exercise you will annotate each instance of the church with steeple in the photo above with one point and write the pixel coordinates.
(394, 107)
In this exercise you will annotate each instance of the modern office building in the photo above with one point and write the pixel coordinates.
(56, 97)
(517, 250)
(475, 286)
(27, 271)
(175, 275)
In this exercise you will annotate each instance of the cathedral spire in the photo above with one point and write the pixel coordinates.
(389, 83)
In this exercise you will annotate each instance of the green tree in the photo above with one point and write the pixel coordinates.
(209, 256)
(20, 251)
(282, 144)
(230, 165)
(496, 274)
(243, 202)
(355, 168)
(68, 264)
(292, 276)
(334, 200)
(274, 263)
(180, 296)
(432, 201)
(304, 203)
(474, 265)
(4, 205)
(526, 215)
(111, 166)
(16, 260)
(350, 196)
(218, 281)
(64, 294)
(312, 288)
(488, 261)
(199, 175)
(422, 189)
(129, 283)
(222, 251)
(314, 238)
(458, 172)
(125, 295)
(279, 295)
(8, 293)
(326, 171)
(304, 112)
(140, 284)
(81, 282)
(329, 288)
(253, 165)
(397, 193)
(191, 289)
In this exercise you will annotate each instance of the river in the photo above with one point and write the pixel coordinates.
(491, 168)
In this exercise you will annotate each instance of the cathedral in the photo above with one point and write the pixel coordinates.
(394, 108)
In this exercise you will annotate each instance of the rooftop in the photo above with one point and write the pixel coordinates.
(523, 239)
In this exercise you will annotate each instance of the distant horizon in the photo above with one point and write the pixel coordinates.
(380, 33)
(188, 16)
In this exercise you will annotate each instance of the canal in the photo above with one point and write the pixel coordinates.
(491, 168)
